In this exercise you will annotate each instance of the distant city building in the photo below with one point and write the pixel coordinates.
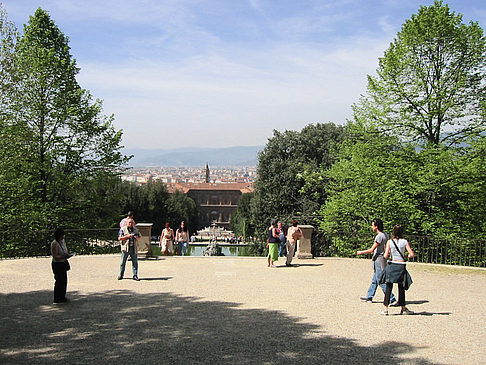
(216, 192)
(215, 202)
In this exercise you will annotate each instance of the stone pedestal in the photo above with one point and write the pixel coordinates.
(304, 244)
(144, 249)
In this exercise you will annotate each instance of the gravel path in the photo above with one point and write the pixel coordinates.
(201, 310)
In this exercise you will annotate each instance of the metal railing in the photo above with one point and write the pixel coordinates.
(38, 243)
(428, 249)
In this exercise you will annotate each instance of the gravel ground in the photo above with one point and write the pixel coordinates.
(209, 310)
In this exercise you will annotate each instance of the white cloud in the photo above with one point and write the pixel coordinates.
(222, 72)
(233, 97)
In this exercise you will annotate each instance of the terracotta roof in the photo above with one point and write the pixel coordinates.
(186, 187)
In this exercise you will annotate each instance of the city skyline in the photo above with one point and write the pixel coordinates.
(179, 74)
(174, 175)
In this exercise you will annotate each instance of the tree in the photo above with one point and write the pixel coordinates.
(277, 188)
(180, 208)
(430, 84)
(434, 191)
(8, 39)
(65, 153)
(151, 203)
(241, 220)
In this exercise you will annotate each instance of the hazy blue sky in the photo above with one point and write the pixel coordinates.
(225, 73)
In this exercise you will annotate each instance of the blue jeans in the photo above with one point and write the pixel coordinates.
(124, 255)
(182, 248)
(282, 247)
(374, 283)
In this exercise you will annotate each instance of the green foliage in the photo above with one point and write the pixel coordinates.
(401, 159)
(430, 83)
(240, 222)
(277, 188)
(433, 191)
(151, 203)
(62, 156)
(182, 208)
(257, 248)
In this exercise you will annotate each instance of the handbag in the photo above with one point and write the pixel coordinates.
(66, 265)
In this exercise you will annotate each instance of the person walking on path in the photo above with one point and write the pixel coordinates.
(294, 234)
(273, 242)
(396, 271)
(379, 262)
(167, 240)
(129, 235)
(60, 266)
(182, 239)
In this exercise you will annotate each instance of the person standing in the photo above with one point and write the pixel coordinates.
(396, 271)
(283, 240)
(60, 266)
(182, 239)
(294, 234)
(167, 240)
(125, 220)
(273, 242)
(379, 262)
(129, 235)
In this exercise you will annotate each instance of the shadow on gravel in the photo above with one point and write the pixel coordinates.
(432, 314)
(417, 301)
(301, 265)
(152, 279)
(122, 327)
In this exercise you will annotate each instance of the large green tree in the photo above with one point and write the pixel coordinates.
(277, 188)
(431, 191)
(401, 160)
(66, 153)
(430, 84)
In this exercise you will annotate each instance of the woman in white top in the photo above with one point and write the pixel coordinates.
(396, 270)
(166, 240)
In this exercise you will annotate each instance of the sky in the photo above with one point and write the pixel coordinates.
(222, 73)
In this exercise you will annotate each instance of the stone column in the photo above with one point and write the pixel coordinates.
(144, 249)
(304, 244)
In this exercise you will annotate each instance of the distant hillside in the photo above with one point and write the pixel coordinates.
(193, 157)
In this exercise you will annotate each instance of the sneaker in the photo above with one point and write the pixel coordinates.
(406, 311)
(120, 277)
(384, 312)
(136, 278)
(394, 303)
(366, 299)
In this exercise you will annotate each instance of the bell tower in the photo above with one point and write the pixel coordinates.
(207, 180)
